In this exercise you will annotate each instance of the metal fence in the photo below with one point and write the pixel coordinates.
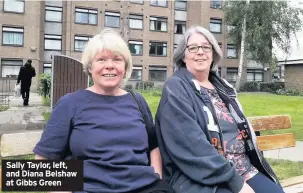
(6, 90)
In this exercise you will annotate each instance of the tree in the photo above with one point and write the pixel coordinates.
(257, 24)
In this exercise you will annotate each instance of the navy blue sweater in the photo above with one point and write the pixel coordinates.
(108, 133)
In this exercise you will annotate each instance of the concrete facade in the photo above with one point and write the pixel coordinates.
(38, 30)
(293, 76)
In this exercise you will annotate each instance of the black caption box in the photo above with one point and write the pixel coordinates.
(42, 175)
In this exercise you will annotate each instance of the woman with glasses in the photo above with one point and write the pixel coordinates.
(205, 140)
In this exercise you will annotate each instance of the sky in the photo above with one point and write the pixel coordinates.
(297, 50)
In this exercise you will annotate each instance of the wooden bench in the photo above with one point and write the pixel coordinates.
(262, 123)
(269, 123)
(275, 141)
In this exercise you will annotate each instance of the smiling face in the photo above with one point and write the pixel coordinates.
(107, 70)
(198, 55)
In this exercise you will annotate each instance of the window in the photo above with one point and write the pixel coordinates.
(52, 42)
(47, 68)
(80, 42)
(136, 47)
(157, 48)
(219, 71)
(180, 5)
(12, 36)
(157, 73)
(254, 75)
(180, 27)
(232, 74)
(112, 19)
(175, 47)
(137, 73)
(16, 6)
(137, 1)
(86, 16)
(160, 3)
(136, 21)
(215, 25)
(53, 14)
(231, 51)
(158, 24)
(216, 4)
(10, 67)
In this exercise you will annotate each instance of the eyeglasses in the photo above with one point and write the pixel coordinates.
(195, 48)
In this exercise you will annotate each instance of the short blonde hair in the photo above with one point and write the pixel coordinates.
(109, 40)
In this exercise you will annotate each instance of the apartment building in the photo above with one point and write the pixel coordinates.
(40, 29)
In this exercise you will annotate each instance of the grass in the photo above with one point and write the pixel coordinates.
(260, 104)
(46, 116)
(257, 104)
(46, 101)
(285, 169)
(3, 108)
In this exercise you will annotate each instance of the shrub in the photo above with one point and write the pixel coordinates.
(271, 86)
(250, 87)
(157, 93)
(128, 87)
(144, 85)
(44, 86)
(290, 92)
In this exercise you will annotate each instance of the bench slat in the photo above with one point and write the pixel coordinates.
(275, 122)
(277, 141)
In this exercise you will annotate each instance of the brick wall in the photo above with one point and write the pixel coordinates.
(293, 76)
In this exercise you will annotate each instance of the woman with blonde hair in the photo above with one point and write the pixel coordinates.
(103, 126)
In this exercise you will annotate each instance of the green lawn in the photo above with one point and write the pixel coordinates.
(256, 104)
(270, 104)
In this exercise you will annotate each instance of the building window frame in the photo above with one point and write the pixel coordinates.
(47, 65)
(53, 9)
(135, 43)
(254, 72)
(135, 18)
(81, 38)
(54, 38)
(137, 1)
(156, 3)
(154, 23)
(10, 65)
(214, 22)
(11, 11)
(216, 4)
(12, 30)
(90, 12)
(219, 71)
(230, 72)
(231, 48)
(157, 68)
(180, 8)
(111, 14)
(183, 27)
(158, 45)
(137, 69)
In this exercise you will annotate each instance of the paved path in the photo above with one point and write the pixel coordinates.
(19, 118)
(293, 153)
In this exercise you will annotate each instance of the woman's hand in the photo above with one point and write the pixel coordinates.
(156, 161)
(246, 189)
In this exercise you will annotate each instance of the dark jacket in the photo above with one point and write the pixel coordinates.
(26, 73)
(184, 121)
